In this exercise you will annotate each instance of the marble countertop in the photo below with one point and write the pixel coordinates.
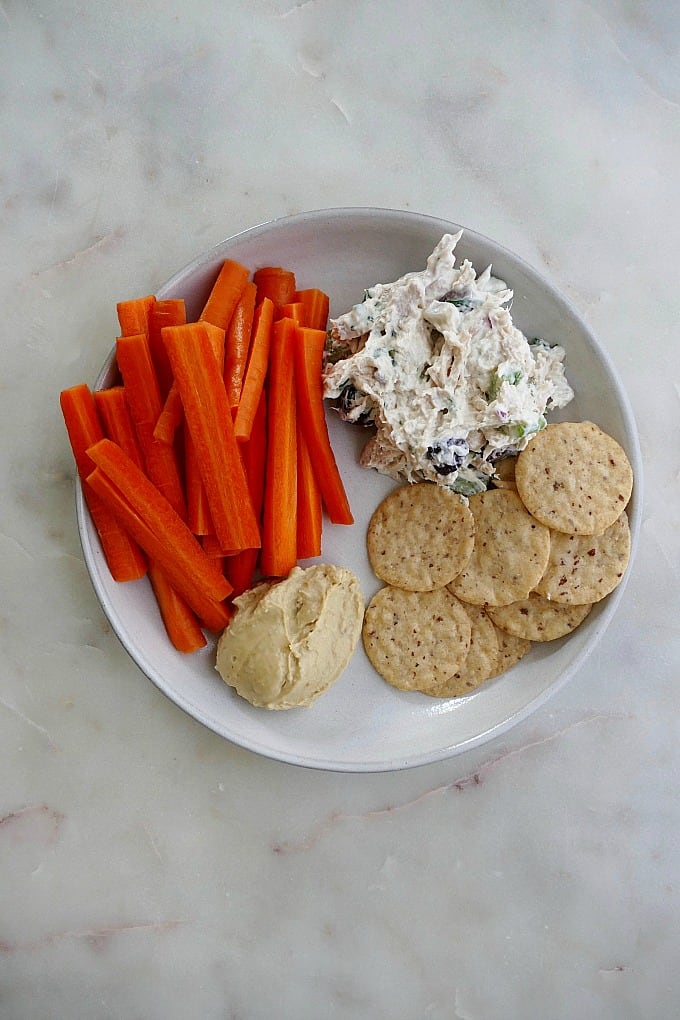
(149, 868)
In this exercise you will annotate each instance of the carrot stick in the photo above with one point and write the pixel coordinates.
(240, 568)
(211, 546)
(256, 370)
(255, 456)
(133, 316)
(309, 347)
(179, 620)
(158, 529)
(170, 418)
(217, 337)
(169, 421)
(293, 310)
(172, 414)
(225, 294)
(123, 556)
(114, 413)
(144, 399)
(217, 616)
(275, 283)
(208, 418)
(238, 344)
(167, 312)
(309, 505)
(212, 613)
(279, 521)
(315, 305)
(199, 517)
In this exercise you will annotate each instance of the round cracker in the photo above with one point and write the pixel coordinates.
(574, 478)
(585, 568)
(481, 661)
(511, 650)
(538, 618)
(416, 640)
(510, 552)
(420, 537)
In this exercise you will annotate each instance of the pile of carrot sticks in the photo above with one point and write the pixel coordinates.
(208, 464)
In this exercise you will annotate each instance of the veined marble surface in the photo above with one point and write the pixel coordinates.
(149, 869)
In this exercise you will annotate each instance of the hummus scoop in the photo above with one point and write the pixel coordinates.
(290, 640)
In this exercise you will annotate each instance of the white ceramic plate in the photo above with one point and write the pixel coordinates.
(362, 724)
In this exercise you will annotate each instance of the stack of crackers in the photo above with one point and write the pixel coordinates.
(469, 585)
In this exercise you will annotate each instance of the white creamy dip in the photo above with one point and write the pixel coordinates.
(434, 362)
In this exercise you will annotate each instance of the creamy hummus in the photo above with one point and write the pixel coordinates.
(436, 364)
(290, 640)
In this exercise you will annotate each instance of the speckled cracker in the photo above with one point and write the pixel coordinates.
(510, 650)
(416, 640)
(538, 618)
(482, 660)
(420, 537)
(574, 478)
(510, 552)
(585, 568)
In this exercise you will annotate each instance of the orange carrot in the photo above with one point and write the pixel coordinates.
(167, 312)
(225, 294)
(211, 546)
(169, 421)
(144, 399)
(114, 413)
(172, 413)
(212, 613)
(199, 517)
(275, 283)
(309, 347)
(158, 529)
(256, 370)
(309, 505)
(293, 310)
(279, 521)
(240, 568)
(218, 615)
(123, 556)
(125, 559)
(170, 418)
(133, 316)
(179, 620)
(208, 418)
(217, 337)
(315, 307)
(255, 455)
(238, 344)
